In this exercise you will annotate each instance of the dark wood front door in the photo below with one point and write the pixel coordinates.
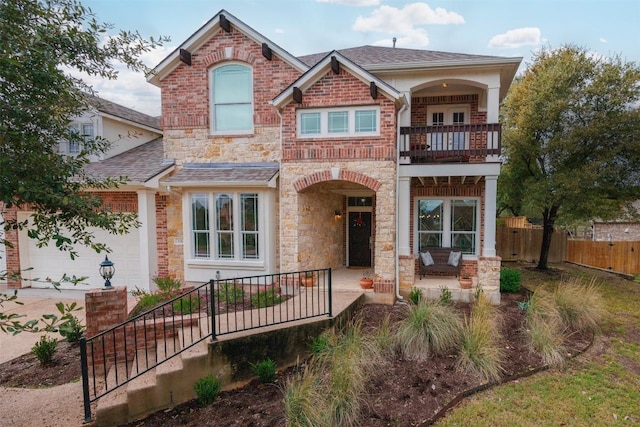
(359, 236)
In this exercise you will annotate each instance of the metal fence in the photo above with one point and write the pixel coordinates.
(118, 355)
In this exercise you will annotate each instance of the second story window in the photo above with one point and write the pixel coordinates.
(85, 131)
(231, 99)
(339, 122)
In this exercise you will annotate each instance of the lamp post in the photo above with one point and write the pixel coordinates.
(107, 270)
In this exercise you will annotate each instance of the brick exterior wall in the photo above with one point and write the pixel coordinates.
(620, 232)
(161, 235)
(445, 189)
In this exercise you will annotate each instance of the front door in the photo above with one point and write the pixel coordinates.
(359, 239)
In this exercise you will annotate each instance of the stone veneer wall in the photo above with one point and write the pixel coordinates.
(175, 237)
(301, 183)
(489, 271)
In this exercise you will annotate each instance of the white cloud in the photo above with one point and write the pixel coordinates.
(131, 89)
(405, 23)
(528, 36)
(603, 40)
(352, 2)
(278, 31)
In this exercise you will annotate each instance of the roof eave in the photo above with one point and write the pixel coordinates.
(421, 65)
(204, 33)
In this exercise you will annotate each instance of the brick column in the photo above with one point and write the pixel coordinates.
(105, 308)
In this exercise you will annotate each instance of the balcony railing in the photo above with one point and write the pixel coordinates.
(450, 143)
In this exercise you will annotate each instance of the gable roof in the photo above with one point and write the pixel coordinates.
(379, 57)
(204, 33)
(118, 111)
(139, 165)
(320, 69)
(225, 174)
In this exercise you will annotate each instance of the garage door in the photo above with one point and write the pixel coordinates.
(51, 262)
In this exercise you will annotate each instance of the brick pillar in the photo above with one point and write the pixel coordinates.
(105, 308)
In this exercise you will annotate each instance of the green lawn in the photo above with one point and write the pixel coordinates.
(600, 387)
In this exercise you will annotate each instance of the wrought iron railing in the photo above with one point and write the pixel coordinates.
(118, 355)
(450, 143)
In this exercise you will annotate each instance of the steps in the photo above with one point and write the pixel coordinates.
(163, 386)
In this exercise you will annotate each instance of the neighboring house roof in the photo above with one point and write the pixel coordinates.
(121, 112)
(320, 69)
(139, 165)
(204, 33)
(211, 174)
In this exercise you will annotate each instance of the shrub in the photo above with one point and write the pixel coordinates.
(429, 327)
(480, 352)
(510, 280)
(45, 349)
(446, 297)
(167, 285)
(415, 295)
(580, 306)
(545, 328)
(188, 304)
(265, 370)
(207, 389)
(146, 301)
(230, 293)
(266, 298)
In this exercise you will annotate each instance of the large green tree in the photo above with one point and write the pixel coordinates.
(41, 43)
(44, 46)
(571, 139)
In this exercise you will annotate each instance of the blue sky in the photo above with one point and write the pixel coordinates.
(484, 27)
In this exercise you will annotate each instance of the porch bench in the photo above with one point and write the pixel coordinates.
(440, 266)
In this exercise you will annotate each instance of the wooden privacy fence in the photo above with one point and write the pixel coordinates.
(620, 256)
(523, 244)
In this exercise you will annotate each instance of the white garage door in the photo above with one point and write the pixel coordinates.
(51, 262)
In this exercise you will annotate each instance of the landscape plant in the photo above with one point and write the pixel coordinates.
(446, 298)
(429, 328)
(267, 298)
(207, 389)
(265, 369)
(45, 349)
(480, 351)
(188, 304)
(230, 293)
(580, 305)
(510, 279)
(415, 295)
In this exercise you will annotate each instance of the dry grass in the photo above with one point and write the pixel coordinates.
(580, 305)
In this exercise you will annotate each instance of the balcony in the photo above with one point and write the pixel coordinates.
(469, 143)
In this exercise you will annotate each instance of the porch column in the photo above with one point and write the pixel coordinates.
(490, 200)
(404, 216)
(493, 104)
(148, 242)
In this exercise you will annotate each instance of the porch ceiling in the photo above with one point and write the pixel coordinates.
(444, 173)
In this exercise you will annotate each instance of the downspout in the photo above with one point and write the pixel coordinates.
(404, 107)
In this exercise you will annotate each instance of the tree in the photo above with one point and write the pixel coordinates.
(41, 43)
(571, 140)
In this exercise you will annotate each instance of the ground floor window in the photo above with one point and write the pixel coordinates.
(225, 226)
(448, 223)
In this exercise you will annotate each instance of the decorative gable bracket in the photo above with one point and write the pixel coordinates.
(373, 90)
(185, 56)
(297, 95)
(335, 65)
(225, 24)
(266, 51)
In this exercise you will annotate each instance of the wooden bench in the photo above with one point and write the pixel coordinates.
(441, 266)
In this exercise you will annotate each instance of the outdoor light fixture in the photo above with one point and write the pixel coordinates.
(107, 271)
(337, 214)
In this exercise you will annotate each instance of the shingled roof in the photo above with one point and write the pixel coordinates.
(125, 113)
(366, 56)
(209, 173)
(139, 164)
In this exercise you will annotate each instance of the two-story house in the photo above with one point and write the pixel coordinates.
(135, 152)
(355, 157)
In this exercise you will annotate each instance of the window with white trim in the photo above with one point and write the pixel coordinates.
(339, 122)
(75, 145)
(448, 223)
(231, 99)
(225, 226)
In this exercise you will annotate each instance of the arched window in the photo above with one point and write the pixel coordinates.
(231, 99)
